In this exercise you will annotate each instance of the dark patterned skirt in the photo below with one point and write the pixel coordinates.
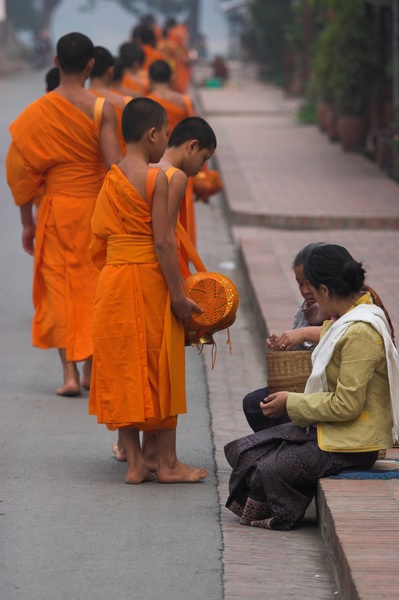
(281, 466)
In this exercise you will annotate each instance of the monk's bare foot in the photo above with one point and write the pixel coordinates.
(120, 453)
(70, 388)
(181, 473)
(86, 374)
(149, 449)
(139, 475)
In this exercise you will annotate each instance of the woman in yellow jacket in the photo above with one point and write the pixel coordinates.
(348, 412)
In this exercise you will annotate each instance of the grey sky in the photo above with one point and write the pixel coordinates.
(109, 25)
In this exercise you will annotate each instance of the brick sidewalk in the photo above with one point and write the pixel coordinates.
(286, 185)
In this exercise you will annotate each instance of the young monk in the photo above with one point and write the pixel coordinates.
(192, 142)
(177, 106)
(64, 141)
(101, 77)
(138, 380)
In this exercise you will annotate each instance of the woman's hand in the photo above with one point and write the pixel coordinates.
(275, 405)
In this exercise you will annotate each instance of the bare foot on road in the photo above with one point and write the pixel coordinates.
(120, 453)
(181, 473)
(139, 475)
(70, 388)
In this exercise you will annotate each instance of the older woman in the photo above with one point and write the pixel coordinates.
(350, 408)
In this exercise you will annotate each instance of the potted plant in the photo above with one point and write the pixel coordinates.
(354, 74)
(322, 76)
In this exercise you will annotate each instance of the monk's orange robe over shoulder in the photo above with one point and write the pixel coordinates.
(139, 85)
(151, 54)
(119, 111)
(55, 145)
(175, 112)
(138, 377)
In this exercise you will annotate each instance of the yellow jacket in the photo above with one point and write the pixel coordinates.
(355, 414)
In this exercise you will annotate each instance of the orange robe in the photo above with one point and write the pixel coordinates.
(119, 111)
(55, 139)
(138, 375)
(140, 86)
(151, 55)
(178, 35)
(175, 112)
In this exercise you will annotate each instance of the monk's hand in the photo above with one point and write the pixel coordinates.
(183, 308)
(28, 238)
(275, 405)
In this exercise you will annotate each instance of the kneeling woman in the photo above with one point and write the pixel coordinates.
(350, 408)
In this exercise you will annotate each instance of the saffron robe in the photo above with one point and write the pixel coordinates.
(139, 85)
(138, 377)
(175, 112)
(151, 55)
(119, 110)
(55, 145)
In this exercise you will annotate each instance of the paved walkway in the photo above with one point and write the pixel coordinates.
(286, 185)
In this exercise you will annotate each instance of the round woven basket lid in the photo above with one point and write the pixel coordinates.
(217, 295)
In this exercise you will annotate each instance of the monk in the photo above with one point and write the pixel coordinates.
(134, 77)
(148, 44)
(116, 83)
(64, 141)
(178, 106)
(99, 85)
(191, 144)
(178, 35)
(138, 380)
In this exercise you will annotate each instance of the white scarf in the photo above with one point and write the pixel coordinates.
(322, 354)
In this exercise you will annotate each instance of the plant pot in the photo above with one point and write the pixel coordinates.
(323, 109)
(352, 132)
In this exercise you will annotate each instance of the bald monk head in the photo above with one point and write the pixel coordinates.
(104, 65)
(75, 54)
(139, 116)
(160, 72)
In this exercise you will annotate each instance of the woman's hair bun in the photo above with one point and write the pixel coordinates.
(353, 273)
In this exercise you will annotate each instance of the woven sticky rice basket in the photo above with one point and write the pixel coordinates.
(288, 370)
(217, 295)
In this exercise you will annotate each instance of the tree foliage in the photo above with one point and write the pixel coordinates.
(166, 7)
(30, 15)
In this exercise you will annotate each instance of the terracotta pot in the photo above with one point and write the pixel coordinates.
(352, 132)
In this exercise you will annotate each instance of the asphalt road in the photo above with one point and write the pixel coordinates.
(70, 528)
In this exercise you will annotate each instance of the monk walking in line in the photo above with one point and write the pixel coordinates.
(134, 78)
(138, 380)
(178, 106)
(64, 141)
(101, 77)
